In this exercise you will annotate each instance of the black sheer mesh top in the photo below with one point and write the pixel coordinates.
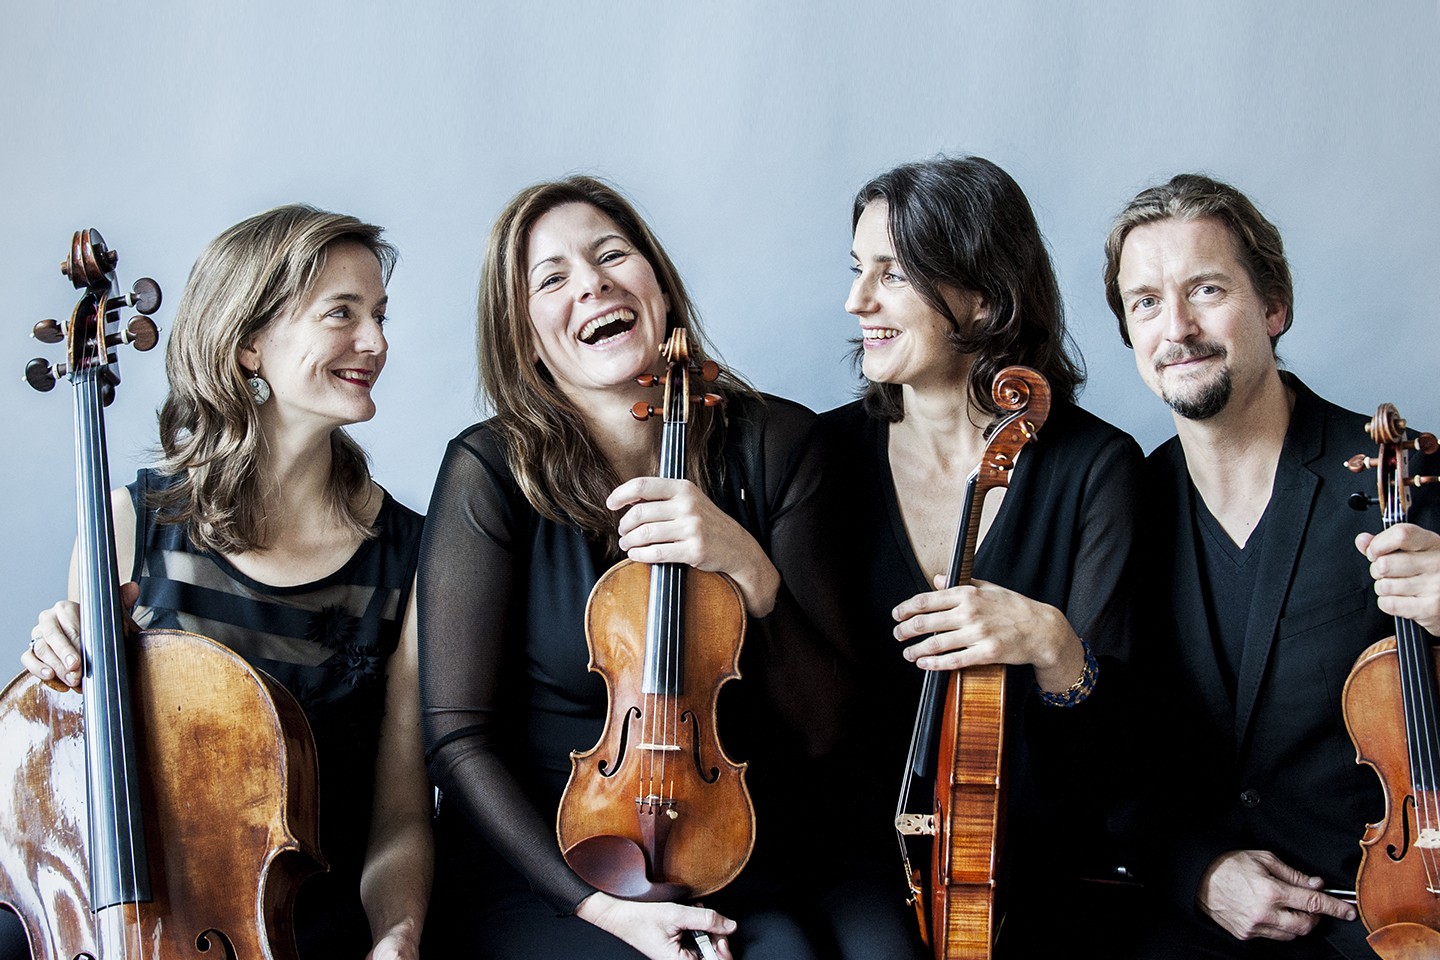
(505, 689)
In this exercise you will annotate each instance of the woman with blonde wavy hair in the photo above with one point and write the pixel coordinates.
(262, 529)
(530, 508)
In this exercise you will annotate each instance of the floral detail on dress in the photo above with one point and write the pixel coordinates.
(333, 627)
(354, 664)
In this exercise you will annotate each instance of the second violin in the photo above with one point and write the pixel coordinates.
(656, 810)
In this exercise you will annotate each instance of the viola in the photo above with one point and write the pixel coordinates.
(958, 742)
(169, 807)
(1389, 703)
(656, 810)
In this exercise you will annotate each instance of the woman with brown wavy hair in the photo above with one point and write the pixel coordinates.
(262, 530)
(530, 508)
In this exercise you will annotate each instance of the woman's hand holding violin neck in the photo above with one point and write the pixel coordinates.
(983, 623)
(657, 930)
(54, 651)
(671, 521)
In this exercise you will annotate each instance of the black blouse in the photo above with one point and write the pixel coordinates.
(505, 689)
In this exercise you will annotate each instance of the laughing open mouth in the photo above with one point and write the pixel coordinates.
(609, 325)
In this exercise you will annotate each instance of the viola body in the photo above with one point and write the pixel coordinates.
(664, 745)
(1393, 852)
(970, 798)
(230, 810)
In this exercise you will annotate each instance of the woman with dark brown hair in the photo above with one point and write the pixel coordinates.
(952, 284)
(530, 508)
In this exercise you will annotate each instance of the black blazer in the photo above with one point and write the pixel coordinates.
(1273, 768)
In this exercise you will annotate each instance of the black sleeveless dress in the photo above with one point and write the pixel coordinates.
(327, 642)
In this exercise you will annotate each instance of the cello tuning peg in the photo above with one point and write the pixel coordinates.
(40, 375)
(648, 380)
(1362, 501)
(140, 331)
(144, 296)
(47, 331)
(642, 411)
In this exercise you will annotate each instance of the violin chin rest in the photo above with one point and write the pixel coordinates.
(1404, 941)
(616, 865)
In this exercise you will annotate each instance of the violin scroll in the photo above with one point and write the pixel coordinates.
(1392, 470)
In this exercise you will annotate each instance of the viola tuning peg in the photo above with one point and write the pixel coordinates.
(40, 375)
(642, 411)
(648, 380)
(144, 296)
(47, 331)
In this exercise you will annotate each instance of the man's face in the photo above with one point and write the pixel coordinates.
(1200, 329)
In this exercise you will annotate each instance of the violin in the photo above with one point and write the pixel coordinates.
(958, 742)
(1389, 705)
(169, 807)
(656, 810)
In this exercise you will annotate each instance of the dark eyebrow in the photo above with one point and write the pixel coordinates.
(1210, 275)
(883, 258)
(598, 243)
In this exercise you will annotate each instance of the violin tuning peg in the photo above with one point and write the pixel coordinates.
(642, 411)
(1422, 481)
(1361, 501)
(47, 331)
(1426, 443)
(40, 375)
(144, 297)
(709, 371)
(648, 380)
(712, 399)
(1359, 462)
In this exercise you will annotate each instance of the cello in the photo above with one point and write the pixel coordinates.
(1390, 711)
(958, 742)
(168, 808)
(656, 810)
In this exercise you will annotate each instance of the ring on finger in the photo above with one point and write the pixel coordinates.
(33, 640)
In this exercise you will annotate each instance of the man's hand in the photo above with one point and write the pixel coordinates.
(1251, 893)
(1405, 562)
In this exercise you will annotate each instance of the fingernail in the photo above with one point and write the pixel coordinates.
(72, 661)
(46, 673)
(1349, 914)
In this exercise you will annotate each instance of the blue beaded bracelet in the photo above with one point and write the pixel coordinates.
(1081, 688)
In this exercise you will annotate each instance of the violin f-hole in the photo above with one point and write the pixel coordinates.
(203, 943)
(714, 773)
(606, 770)
(1407, 809)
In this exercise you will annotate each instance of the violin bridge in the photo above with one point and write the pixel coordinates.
(659, 746)
(916, 824)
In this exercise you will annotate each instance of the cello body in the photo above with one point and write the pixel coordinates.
(230, 803)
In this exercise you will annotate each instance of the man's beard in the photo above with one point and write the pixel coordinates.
(1201, 401)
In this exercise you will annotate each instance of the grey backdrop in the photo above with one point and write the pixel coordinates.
(742, 129)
